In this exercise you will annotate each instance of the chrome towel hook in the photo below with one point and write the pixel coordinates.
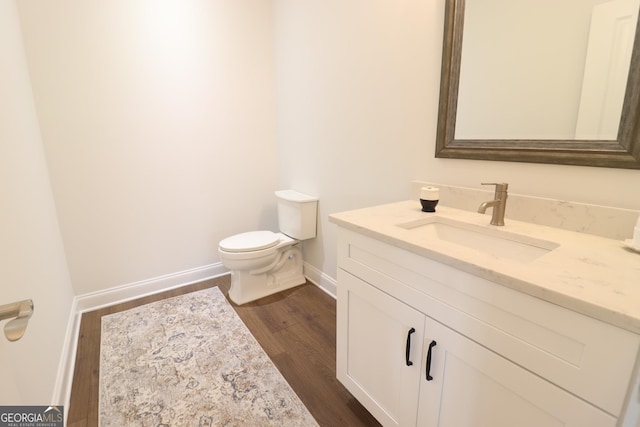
(21, 312)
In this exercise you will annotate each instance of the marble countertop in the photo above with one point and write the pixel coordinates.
(592, 275)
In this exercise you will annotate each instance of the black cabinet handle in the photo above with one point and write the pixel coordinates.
(408, 347)
(431, 345)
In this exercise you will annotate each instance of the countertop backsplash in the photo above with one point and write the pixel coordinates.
(603, 221)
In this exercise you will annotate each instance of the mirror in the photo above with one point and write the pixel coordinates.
(488, 64)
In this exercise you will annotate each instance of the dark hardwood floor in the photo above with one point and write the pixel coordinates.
(296, 328)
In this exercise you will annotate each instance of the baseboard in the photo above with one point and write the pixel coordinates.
(320, 279)
(99, 299)
(62, 387)
(96, 300)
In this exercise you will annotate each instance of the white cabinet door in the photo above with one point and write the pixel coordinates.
(474, 387)
(379, 350)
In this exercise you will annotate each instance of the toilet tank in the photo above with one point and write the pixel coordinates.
(297, 214)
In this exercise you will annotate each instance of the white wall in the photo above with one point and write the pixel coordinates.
(32, 260)
(357, 112)
(159, 123)
(158, 119)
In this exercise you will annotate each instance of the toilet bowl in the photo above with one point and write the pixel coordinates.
(264, 262)
(253, 250)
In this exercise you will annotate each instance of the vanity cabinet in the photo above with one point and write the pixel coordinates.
(422, 343)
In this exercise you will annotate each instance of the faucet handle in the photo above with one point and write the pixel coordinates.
(500, 186)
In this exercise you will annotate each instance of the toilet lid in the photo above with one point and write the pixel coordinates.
(251, 241)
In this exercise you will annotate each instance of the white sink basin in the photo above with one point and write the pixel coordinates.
(489, 240)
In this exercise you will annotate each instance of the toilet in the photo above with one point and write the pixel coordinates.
(263, 262)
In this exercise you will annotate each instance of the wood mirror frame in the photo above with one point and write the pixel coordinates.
(621, 153)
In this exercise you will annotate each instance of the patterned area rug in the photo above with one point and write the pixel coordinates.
(190, 361)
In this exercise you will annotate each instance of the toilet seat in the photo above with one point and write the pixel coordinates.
(250, 242)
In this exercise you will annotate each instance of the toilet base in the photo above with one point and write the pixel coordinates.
(247, 287)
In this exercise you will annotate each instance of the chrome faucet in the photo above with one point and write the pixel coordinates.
(498, 204)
